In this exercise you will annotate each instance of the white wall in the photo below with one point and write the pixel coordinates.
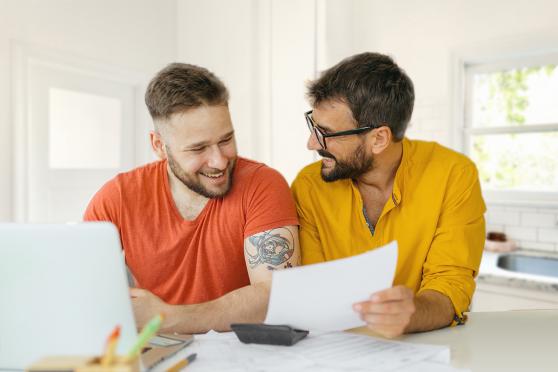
(264, 50)
(134, 35)
(337, 33)
(225, 37)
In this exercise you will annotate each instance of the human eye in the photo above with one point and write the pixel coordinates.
(197, 149)
(226, 140)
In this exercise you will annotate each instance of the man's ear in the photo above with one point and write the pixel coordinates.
(382, 139)
(157, 145)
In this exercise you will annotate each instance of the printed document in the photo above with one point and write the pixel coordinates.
(324, 352)
(320, 296)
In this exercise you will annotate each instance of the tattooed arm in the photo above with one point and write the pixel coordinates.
(264, 252)
(271, 250)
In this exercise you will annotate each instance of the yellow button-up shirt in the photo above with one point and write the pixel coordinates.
(436, 214)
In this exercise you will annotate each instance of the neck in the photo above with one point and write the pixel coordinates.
(381, 176)
(188, 202)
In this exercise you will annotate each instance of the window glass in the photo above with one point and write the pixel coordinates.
(515, 97)
(520, 161)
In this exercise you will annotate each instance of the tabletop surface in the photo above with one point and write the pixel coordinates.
(523, 340)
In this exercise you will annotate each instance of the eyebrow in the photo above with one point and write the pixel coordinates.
(205, 143)
(325, 129)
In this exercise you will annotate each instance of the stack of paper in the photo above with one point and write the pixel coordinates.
(332, 351)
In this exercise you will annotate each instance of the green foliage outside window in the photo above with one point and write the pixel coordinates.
(523, 161)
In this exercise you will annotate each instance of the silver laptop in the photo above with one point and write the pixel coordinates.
(63, 289)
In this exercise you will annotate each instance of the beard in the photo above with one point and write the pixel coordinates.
(358, 164)
(194, 183)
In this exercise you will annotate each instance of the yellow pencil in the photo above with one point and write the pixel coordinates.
(183, 363)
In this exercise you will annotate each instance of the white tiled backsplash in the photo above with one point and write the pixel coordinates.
(530, 228)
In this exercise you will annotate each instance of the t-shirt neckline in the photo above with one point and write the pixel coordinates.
(172, 203)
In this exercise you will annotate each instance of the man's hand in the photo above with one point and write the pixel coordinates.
(146, 305)
(388, 312)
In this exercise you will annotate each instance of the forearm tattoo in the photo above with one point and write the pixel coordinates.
(273, 247)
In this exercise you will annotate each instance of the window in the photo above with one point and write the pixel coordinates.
(511, 127)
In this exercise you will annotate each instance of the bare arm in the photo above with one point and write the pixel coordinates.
(264, 252)
(397, 310)
(433, 310)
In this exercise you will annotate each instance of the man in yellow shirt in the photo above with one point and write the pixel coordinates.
(373, 185)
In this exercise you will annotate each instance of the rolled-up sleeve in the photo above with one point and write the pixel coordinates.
(311, 247)
(454, 257)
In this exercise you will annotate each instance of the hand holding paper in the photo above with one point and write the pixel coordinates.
(321, 296)
(388, 312)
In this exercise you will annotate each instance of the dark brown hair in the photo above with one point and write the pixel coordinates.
(180, 86)
(376, 90)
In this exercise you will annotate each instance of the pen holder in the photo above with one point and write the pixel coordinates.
(83, 364)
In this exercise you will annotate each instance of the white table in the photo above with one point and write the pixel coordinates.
(500, 341)
(493, 341)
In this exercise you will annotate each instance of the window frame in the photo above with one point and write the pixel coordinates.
(508, 197)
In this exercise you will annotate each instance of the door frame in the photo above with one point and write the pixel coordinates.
(23, 55)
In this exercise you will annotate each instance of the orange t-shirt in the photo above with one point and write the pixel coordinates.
(188, 262)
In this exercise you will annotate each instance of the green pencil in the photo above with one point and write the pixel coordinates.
(145, 335)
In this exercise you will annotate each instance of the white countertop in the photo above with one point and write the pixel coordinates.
(489, 272)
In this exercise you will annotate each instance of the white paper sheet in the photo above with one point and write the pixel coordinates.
(320, 296)
(326, 352)
(351, 351)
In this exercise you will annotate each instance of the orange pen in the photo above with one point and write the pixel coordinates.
(110, 347)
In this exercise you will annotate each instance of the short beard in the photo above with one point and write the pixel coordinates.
(353, 168)
(196, 186)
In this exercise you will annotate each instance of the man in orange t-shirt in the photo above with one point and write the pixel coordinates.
(202, 228)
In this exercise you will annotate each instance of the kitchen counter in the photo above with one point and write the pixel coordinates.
(490, 273)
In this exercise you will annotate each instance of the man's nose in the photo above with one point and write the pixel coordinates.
(216, 158)
(313, 143)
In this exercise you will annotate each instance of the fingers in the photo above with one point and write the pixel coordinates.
(388, 312)
(390, 307)
(389, 331)
(385, 319)
(399, 292)
(137, 292)
(389, 319)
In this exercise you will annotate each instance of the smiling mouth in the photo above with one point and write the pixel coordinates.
(213, 175)
(325, 154)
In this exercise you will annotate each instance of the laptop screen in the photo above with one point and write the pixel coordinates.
(63, 289)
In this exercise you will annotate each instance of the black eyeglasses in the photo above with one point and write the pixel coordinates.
(321, 136)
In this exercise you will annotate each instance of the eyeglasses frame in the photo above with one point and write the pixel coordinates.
(320, 134)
